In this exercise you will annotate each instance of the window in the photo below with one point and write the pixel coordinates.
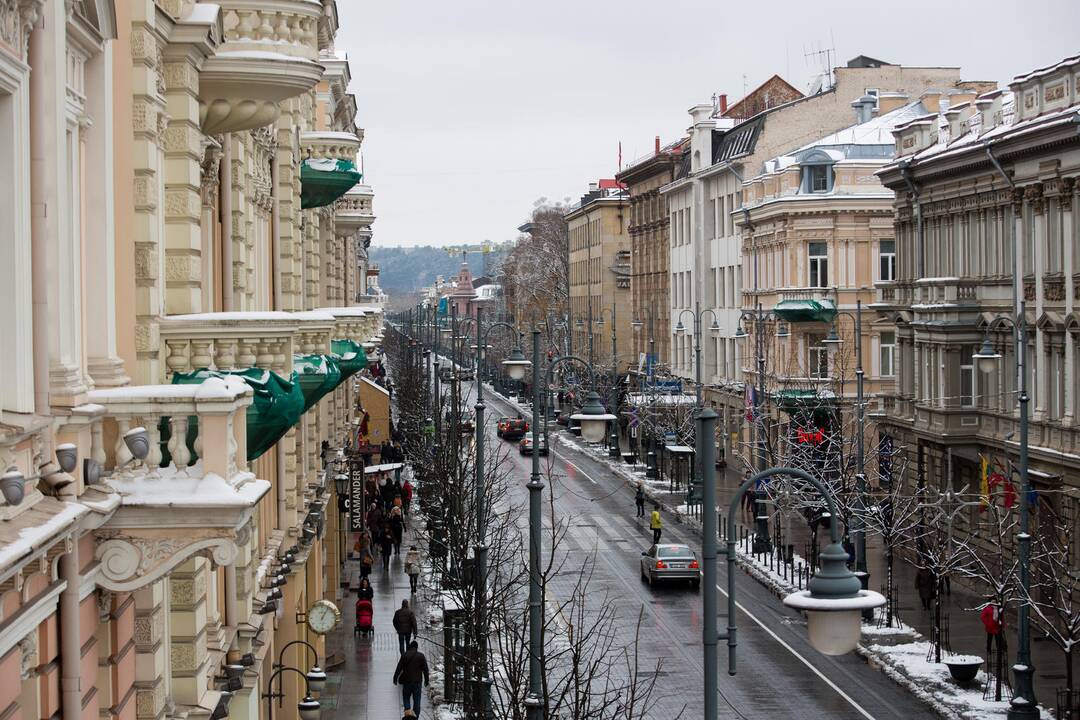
(888, 354)
(887, 260)
(967, 376)
(816, 178)
(819, 264)
(817, 357)
(1054, 248)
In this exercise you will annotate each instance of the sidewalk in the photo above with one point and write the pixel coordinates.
(362, 688)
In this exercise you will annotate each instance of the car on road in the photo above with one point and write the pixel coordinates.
(670, 562)
(512, 428)
(525, 447)
(446, 373)
(465, 420)
(465, 373)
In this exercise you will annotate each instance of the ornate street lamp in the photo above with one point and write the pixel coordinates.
(515, 364)
(593, 418)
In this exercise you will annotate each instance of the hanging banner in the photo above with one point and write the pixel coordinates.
(356, 499)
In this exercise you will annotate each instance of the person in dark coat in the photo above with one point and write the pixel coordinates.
(412, 674)
(397, 528)
(924, 583)
(405, 625)
(365, 591)
(374, 520)
(639, 500)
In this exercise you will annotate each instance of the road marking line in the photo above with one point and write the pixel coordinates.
(567, 461)
(802, 659)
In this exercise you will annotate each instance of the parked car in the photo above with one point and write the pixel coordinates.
(465, 373)
(667, 562)
(525, 447)
(446, 373)
(501, 424)
(465, 420)
(514, 429)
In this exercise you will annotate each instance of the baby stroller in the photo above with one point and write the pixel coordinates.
(365, 615)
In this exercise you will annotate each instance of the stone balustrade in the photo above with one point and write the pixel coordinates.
(269, 53)
(205, 490)
(329, 146)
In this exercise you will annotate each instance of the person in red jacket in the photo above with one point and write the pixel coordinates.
(993, 620)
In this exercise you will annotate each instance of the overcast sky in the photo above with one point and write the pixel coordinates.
(474, 109)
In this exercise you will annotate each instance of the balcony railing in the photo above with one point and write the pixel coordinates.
(194, 477)
(269, 54)
(945, 291)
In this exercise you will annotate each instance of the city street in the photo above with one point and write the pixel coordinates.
(780, 675)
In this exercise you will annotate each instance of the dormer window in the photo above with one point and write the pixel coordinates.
(817, 178)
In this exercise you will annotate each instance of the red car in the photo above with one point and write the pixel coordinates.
(512, 428)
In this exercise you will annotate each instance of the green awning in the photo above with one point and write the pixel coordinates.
(350, 356)
(324, 181)
(276, 406)
(805, 401)
(797, 311)
(317, 375)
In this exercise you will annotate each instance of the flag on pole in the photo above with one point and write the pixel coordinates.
(984, 480)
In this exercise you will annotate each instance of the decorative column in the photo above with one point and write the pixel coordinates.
(188, 625)
(208, 191)
(1069, 263)
(1034, 196)
(289, 214)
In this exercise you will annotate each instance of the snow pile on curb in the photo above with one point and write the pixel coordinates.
(930, 682)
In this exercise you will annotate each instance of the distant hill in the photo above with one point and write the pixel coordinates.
(406, 269)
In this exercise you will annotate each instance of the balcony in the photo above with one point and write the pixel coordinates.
(194, 478)
(805, 305)
(353, 213)
(329, 169)
(268, 54)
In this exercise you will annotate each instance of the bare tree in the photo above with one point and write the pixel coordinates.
(1054, 597)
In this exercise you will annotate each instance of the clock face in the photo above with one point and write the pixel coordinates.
(322, 616)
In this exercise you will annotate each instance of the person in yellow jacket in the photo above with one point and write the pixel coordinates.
(655, 524)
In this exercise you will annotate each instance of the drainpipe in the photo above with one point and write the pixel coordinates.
(226, 224)
(70, 645)
(905, 173)
(275, 232)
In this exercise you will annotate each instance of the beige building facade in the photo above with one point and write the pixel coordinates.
(985, 201)
(169, 170)
(600, 277)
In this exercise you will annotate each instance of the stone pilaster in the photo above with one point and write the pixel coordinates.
(189, 631)
(151, 657)
(148, 120)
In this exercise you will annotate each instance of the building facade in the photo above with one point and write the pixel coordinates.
(600, 276)
(708, 267)
(985, 196)
(169, 171)
(649, 230)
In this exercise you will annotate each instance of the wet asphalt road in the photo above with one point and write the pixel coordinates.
(779, 674)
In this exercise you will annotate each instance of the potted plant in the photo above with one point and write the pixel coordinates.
(963, 668)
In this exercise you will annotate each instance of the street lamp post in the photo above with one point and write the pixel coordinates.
(307, 709)
(833, 342)
(699, 441)
(650, 457)
(761, 519)
(613, 394)
(593, 424)
(1023, 705)
(483, 680)
(833, 600)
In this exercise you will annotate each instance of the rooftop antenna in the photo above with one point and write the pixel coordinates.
(825, 57)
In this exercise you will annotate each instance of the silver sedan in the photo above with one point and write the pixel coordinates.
(670, 561)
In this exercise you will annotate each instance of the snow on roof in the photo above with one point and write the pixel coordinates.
(876, 131)
(191, 488)
(375, 385)
(36, 528)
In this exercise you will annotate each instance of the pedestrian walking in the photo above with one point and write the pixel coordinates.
(639, 500)
(412, 567)
(374, 520)
(924, 583)
(397, 528)
(406, 495)
(367, 560)
(405, 625)
(412, 674)
(386, 547)
(655, 524)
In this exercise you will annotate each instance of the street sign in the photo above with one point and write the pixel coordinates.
(356, 501)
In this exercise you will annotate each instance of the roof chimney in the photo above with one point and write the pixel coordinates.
(593, 187)
(656, 145)
(864, 108)
(723, 103)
